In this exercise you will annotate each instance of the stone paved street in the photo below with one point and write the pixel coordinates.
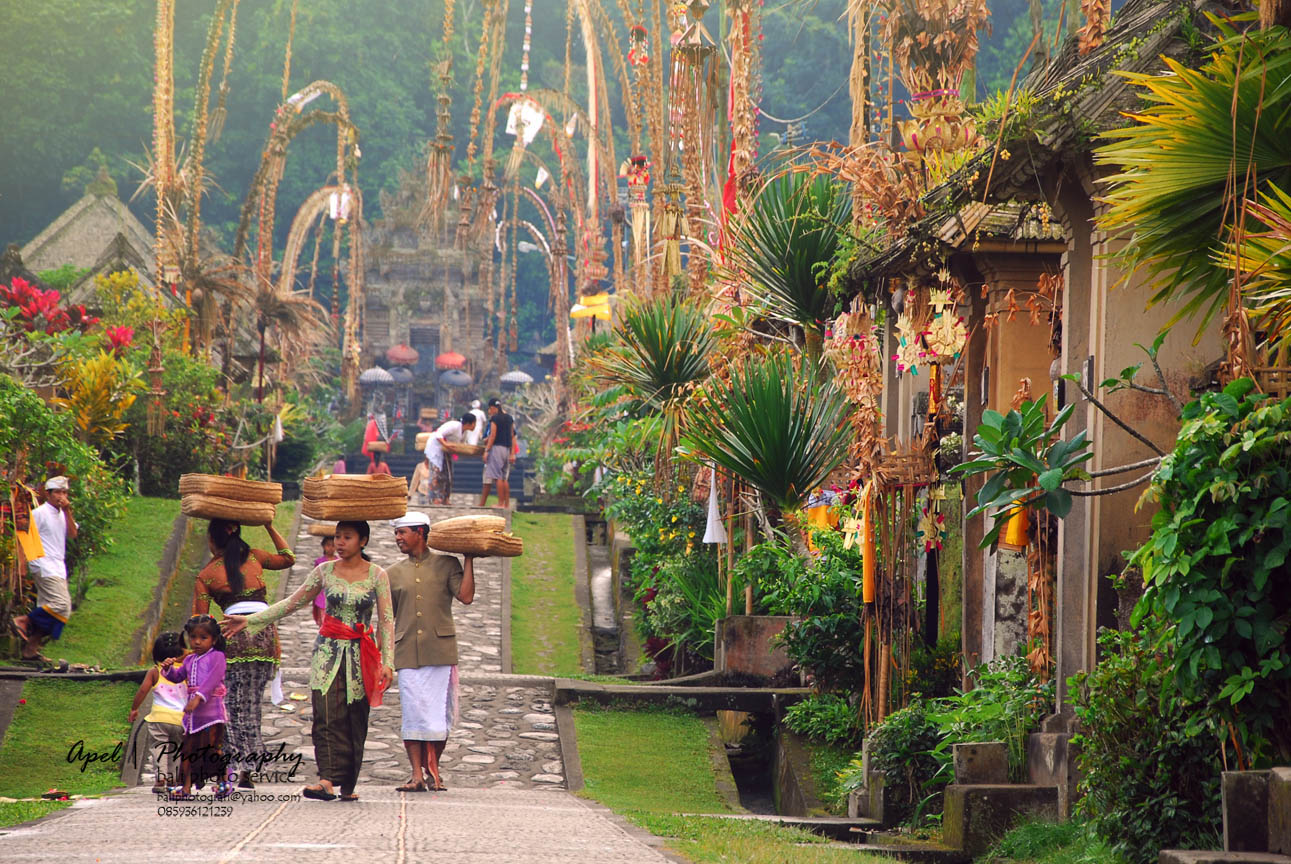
(506, 736)
(505, 804)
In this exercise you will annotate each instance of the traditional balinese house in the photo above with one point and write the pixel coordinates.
(97, 234)
(1023, 212)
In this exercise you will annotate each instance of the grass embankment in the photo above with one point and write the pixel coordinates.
(655, 768)
(545, 618)
(17, 812)
(195, 554)
(1050, 843)
(40, 747)
(124, 578)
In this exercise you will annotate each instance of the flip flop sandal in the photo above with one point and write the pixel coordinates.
(18, 631)
(350, 797)
(318, 793)
(439, 787)
(419, 786)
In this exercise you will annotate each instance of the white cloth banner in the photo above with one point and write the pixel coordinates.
(714, 531)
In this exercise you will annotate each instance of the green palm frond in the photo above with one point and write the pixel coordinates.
(658, 352)
(777, 424)
(792, 229)
(1265, 256)
(1182, 164)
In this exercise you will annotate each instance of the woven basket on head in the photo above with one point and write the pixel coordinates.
(378, 447)
(230, 488)
(354, 487)
(423, 438)
(354, 509)
(323, 529)
(463, 449)
(478, 536)
(214, 507)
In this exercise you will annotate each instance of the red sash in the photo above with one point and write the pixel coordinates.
(369, 654)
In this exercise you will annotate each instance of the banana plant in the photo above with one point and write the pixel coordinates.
(1026, 462)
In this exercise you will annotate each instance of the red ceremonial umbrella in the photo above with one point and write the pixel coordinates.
(402, 355)
(450, 360)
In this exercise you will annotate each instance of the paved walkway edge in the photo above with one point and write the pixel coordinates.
(583, 595)
(504, 640)
(569, 747)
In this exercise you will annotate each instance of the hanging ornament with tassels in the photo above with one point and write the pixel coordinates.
(639, 206)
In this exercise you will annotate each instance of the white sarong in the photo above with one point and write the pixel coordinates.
(428, 696)
(250, 607)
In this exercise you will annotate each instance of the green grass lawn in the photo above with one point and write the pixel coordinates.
(17, 812)
(826, 761)
(1041, 842)
(46, 729)
(652, 765)
(545, 618)
(101, 629)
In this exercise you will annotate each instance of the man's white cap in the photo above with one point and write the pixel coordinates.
(412, 520)
(59, 482)
(475, 403)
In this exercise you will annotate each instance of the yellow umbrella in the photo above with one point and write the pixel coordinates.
(578, 310)
(595, 299)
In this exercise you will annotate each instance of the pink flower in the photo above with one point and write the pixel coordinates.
(120, 338)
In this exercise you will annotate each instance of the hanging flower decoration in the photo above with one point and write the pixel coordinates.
(910, 352)
(932, 528)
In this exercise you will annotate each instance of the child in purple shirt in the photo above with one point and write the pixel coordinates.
(204, 720)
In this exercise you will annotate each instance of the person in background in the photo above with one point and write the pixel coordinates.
(422, 588)
(378, 465)
(499, 455)
(54, 523)
(166, 718)
(419, 486)
(339, 466)
(320, 602)
(441, 469)
(481, 422)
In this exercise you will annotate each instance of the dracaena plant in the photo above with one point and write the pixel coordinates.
(1026, 462)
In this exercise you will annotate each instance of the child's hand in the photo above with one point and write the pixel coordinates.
(134, 715)
(192, 704)
(168, 662)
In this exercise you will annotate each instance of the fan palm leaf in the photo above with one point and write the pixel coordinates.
(792, 229)
(778, 424)
(1265, 256)
(1183, 164)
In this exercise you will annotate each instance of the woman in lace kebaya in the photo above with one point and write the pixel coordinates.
(350, 670)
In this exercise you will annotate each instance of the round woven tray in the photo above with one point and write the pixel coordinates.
(354, 487)
(485, 544)
(213, 507)
(339, 510)
(423, 438)
(322, 529)
(463, 449)
(230, 488)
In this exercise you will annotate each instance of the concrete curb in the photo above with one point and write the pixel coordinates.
(167, 568)
(504, 639)
(120, 675)
(569, 748)
(583, 595)
(726, 786)
(10, 693)
(633, 830)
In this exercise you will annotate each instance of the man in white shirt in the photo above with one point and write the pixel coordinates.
(441, 467)
(53, 520)
(473, 437)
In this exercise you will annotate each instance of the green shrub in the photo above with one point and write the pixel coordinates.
(1006, 703)
(825, 717)
(901, 749)
(1215, 566)
(1148, 755)
(827, 596)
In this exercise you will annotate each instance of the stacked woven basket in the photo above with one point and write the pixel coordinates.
(478, 536)
(354, 496)
(210, 496)
(322, 529)
(423, 438)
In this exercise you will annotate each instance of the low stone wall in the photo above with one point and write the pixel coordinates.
(744, 644)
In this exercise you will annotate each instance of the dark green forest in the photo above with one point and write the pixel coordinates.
(77, 92)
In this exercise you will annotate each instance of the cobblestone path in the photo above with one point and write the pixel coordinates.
(506, 736)
(506, 802)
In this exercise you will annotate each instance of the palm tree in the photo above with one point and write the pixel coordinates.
(657, 355)
(1209, 138)
(1265, 257)
(789, 234)
(297, 317)
(778, 423)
